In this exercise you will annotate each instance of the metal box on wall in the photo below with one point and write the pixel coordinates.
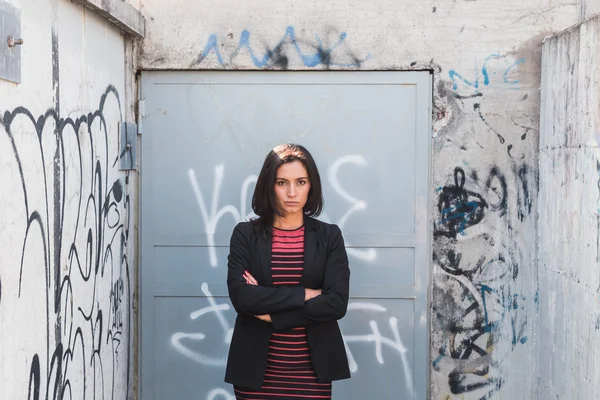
(10, 42)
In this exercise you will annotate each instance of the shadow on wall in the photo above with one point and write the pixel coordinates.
(67, 297)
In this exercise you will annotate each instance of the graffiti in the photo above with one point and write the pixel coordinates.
(378, 340)
(116, 307)
(356, 204)
(475, 303)
(190, 350)
(460, 208)
(492, 126)
(211, 221)
(314, 54)
(488, 74)
(211, 218)
(218, 311)
(70, 220)
(474, 98)
(474, 321)
(220, 394)
(522, 174)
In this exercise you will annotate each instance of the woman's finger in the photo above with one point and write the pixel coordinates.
(249, 281)
(250, 278)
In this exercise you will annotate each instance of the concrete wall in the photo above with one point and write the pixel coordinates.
(486, 62)
(569, 208)
(67, 231)
(588, 8)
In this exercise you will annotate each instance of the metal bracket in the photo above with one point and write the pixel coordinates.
(12, 42)
(127, 151)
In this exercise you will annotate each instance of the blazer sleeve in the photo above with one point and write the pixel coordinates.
(332, 304)
(250, 299)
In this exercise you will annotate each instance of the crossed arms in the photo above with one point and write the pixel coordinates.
(289, 306)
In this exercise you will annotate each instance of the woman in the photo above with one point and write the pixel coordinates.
(288, 280)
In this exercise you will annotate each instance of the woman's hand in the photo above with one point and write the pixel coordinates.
(250, 279)
(265, 318)
(308, 294)
(311, 293)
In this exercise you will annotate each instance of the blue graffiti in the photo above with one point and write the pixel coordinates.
(440, 356)
(509, 304)
(459, 208)
(212, 45)
(514, 82)
(465, 216)
(322, 55)
(455, 77)
(487, 325)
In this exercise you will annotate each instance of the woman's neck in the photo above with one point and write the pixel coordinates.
(289, 221)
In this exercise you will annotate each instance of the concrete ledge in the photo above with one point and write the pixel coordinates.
(120, 13)
(592, 19)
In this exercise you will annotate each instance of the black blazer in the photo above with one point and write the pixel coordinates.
(325, 267)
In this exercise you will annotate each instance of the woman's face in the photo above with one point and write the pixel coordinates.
(291, 188)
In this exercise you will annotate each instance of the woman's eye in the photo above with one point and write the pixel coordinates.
(301, 182)
(281, 183)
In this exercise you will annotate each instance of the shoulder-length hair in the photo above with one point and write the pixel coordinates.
(263, 200)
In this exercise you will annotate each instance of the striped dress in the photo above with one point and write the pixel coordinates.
(289, 374)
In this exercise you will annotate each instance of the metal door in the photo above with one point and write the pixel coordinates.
(205, 135)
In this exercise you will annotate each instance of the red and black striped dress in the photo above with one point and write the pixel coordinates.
(290, 374)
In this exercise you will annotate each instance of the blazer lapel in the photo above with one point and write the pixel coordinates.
(310, 245)
(264, 243)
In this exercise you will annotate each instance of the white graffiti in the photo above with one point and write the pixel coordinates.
(220, 394)
(211, 218)
(378, 340)
(373, 337)
(178, 337)
(357, 205)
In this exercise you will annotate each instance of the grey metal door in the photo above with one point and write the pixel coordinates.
(205, 135)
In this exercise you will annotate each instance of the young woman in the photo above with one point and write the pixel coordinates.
(288, 280)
